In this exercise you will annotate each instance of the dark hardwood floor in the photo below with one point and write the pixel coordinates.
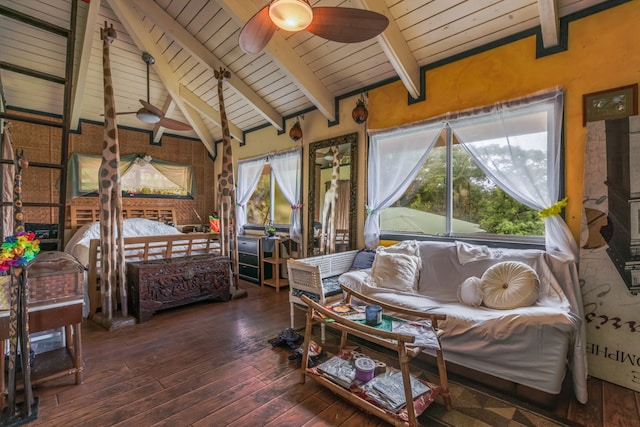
(210, 364)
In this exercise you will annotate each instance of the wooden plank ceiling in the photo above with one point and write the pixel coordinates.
(191, 38)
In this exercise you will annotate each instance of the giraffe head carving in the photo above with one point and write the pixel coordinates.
(108, 34)
(20, 161)
(222, 74)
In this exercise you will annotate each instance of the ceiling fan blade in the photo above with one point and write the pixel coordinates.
(168, 123)
(257, 32)
(124, 112)
(346, 25)
(152, 108)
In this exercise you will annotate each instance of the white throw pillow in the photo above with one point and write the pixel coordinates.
(395, 271)
(407, 247)
(469, 291)
(508, 285)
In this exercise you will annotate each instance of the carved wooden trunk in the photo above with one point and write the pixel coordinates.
(158, 284)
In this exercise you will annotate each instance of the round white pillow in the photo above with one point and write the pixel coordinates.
(508, 285)
(469, 291)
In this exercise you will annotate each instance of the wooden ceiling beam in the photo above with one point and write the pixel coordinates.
(88, 33)
(139, 33)
(168, 24)
(287, 59)
(549, 22)
(395, 47)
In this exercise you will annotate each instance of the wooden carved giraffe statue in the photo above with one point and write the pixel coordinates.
(18, 314)
(226, 188)
(328, 241)
(112, 269)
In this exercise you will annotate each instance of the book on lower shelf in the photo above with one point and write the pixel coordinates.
(388, 390)
(338, 370)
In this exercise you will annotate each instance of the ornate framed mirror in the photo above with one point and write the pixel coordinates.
(332, 198)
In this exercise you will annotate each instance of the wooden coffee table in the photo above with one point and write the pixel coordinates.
(404, 343)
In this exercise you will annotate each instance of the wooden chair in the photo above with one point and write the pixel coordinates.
(342, 240)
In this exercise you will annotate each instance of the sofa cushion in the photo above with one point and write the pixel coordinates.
(363, 259)
(509, 284)
(469, 292)
(395, 271)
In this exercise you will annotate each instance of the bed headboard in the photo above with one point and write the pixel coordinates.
(80, 215)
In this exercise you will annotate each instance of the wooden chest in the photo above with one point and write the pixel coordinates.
(158, 284)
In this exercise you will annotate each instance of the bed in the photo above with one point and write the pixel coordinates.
(148, 235)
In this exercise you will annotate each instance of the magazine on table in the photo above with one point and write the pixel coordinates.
(340, 371)
(388, 390)
(347, 311)
(425, 335)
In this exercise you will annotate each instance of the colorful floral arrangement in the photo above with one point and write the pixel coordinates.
(18, 250)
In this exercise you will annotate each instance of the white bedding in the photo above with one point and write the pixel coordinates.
(78, 245)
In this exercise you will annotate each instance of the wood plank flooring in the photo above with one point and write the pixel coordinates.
(205, 365)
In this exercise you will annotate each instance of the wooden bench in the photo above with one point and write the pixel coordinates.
(138, 249)
(166, 283)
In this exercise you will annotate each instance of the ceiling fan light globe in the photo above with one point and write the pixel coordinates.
(291, 15)
(147, 116)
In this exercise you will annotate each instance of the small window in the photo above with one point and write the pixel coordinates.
(266, 195)
(139, 176)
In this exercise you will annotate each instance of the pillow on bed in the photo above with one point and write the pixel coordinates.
(508, 285)
(469, 291)
(395, 271)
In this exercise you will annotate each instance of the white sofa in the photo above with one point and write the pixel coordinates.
(530, 346)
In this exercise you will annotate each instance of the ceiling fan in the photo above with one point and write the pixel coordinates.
(149, 113)
(340, 24)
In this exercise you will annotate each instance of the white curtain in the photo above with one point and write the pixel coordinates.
(395, 158)
(505, 138)
(287, 170)
(249, 172)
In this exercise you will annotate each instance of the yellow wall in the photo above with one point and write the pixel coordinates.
(603, 53)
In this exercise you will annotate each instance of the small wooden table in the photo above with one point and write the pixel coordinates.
(400, 342)
(271, 245)
(42, 317)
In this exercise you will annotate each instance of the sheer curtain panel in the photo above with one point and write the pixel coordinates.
(249, 172)
(503, 140)
(287, 170)
(395, 158)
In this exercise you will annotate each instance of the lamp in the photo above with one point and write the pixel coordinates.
(360, 112)
(147, 116)
(291, 15)
(295, 132)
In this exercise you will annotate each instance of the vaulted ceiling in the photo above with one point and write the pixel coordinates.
(297, 72)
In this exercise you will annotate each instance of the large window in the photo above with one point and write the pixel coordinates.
(472, 203)
(490, 171)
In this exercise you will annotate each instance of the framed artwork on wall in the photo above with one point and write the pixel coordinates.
(610, 104)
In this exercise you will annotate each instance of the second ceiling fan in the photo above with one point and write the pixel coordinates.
(149, 113)
(340, 24)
